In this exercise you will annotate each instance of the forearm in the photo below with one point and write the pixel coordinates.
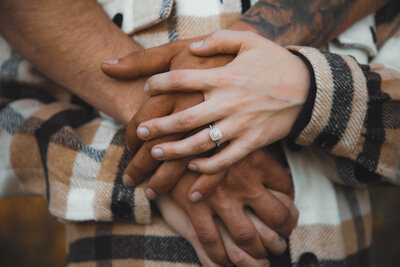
(67, 40)
(304, 22)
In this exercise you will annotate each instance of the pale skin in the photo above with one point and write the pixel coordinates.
(253, 106)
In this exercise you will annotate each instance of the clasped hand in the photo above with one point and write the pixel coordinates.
(242, 186)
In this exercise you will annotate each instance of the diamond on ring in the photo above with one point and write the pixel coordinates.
(215, 134)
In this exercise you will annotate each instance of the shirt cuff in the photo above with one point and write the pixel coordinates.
(340, 102)
(304, 116)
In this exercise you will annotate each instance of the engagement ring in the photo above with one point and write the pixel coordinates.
(215, 134)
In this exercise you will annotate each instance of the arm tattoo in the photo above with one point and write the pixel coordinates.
(302, 22)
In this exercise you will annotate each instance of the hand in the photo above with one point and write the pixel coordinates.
(174, 55)
(172, 169)
(254, 100)
(179, 221)
(170, 56)
(228, 202)
(144, 165)
(264, 164)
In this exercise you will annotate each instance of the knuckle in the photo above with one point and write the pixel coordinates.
(159, 184)
(176, 78)
(220, 201)
(282, 218)
(222, 164)
(258, 158)
(220, 258)
(240, 176)
(138, 170)
(185, 121)
(257, 141)
(269, 236)
(206, 238)
(244, 237)
(229, 77)
(287, 190)
(237, 256)
(203, 146)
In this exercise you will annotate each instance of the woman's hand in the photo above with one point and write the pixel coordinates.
(254, 100)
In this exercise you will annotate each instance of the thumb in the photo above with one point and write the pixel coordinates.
(141, 63)
(223, 42)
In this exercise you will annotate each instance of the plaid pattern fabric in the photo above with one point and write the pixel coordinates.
(119, 244)
(354, 117)
(65, 152)
(335, 222)
(55, 145)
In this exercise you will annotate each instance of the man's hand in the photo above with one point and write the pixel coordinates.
(180, 222)
(171, 56)
(175, 55)
(252, 182)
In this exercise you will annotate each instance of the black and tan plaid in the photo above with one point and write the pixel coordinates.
(55, 145)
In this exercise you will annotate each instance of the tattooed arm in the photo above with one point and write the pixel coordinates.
(304, 22)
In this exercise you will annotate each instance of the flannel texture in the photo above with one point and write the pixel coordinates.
(354, 117)
(55, 145)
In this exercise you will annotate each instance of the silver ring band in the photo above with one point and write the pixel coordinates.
(215, 134)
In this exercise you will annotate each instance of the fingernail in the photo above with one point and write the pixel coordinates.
(158, 153)
(193, 167)
(111, 62)
(128, 180)
(146, 87)
(195, 197)
(150, 193)
(143, 132)
(197, 44)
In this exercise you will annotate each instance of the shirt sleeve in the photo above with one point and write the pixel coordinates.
(355, 117)
(60, 148)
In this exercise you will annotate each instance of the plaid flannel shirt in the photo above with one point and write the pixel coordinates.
(55, 145)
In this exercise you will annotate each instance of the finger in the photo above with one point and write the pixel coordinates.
(234, 152)
(143, 164)
(195, 144)
(179, 221)
(271, 171)
(142, 63)
(154, 107)
(182, 121)
(238, 257)
(271, 240)
(272, 212)
(207, 233)
(165, 177)
(183, 81)
(241, 229)
(288, 202)
(223, 42)
(204, 186)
